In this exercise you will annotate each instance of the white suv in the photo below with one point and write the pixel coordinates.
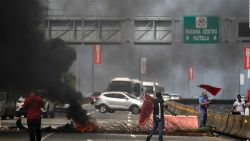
(111, 101)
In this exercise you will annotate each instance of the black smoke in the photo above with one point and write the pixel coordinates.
(27, 60)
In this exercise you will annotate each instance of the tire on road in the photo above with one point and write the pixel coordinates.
(111, 111)
(134, 109)
(103, 108)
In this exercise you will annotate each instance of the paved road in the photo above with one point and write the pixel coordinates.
(118, 116)
(105, 137)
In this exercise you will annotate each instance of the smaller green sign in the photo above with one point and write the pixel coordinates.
(201, 29)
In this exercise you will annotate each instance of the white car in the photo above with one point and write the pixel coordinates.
(175, 97)
(122, 101)
(165, 96)
(47, 110)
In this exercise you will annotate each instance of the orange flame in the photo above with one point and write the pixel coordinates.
(88, 126)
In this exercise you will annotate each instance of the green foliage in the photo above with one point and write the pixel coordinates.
(70, 79)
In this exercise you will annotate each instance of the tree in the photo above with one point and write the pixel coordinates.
(70, 79)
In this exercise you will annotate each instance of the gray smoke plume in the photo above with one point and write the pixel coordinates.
(27, 61)
(219, 65)
(149, 7)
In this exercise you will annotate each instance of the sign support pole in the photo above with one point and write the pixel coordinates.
(92, 73)
(188, 87)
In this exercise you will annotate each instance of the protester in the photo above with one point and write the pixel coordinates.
(238, 106)
(19, 124)
(33, 104)
(203, 104)
(158, 117)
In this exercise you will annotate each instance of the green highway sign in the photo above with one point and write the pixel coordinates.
(201, 29)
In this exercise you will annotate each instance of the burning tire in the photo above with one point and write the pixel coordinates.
(111, 111)
(103, 108)
(134, 109)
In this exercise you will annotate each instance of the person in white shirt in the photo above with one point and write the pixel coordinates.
(238, 106)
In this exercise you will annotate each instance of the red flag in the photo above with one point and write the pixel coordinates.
(146, 110)
(190, 73)
(97, 54)
(248, 95)
(213, 90)
(247, 58)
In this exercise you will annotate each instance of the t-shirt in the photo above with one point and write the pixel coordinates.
(158, 108)
(32, 105)
(202, 100)
(239, 106)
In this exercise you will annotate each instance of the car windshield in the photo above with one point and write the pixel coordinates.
(165, 94)
(131, 96)
(149, 89)
(96, 94)
(123, 86)
(175, 95)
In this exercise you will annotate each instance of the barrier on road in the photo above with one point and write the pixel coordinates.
(178, 123)
(171, 107)
(223, 122)
(230, 123)
(245, 128)
(216, 121)
(237, 124)
(210, 118)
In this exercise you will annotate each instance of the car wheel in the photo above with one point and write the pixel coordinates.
(135, 109)
(45, 114)
(103, 108)
(12, 117)
(3, 117)
(111, 111)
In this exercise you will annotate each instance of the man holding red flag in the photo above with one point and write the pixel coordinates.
(203, 104)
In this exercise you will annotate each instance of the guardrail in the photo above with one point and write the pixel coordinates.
(235, 125)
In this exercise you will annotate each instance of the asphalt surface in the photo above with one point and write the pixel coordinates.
(118, 116)
(105, 137)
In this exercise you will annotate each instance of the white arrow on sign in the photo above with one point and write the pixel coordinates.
(215, 38)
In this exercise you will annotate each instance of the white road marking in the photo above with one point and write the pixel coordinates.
(129, 120)
(89, 140)
(45, 137)
(129, 117)
(96, 110)
(91, 113)
(132, 135)
(129, 124)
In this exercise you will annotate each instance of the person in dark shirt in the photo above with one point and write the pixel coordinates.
(33, 104)
(158, 117)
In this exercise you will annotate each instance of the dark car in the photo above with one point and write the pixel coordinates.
(94, 96)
